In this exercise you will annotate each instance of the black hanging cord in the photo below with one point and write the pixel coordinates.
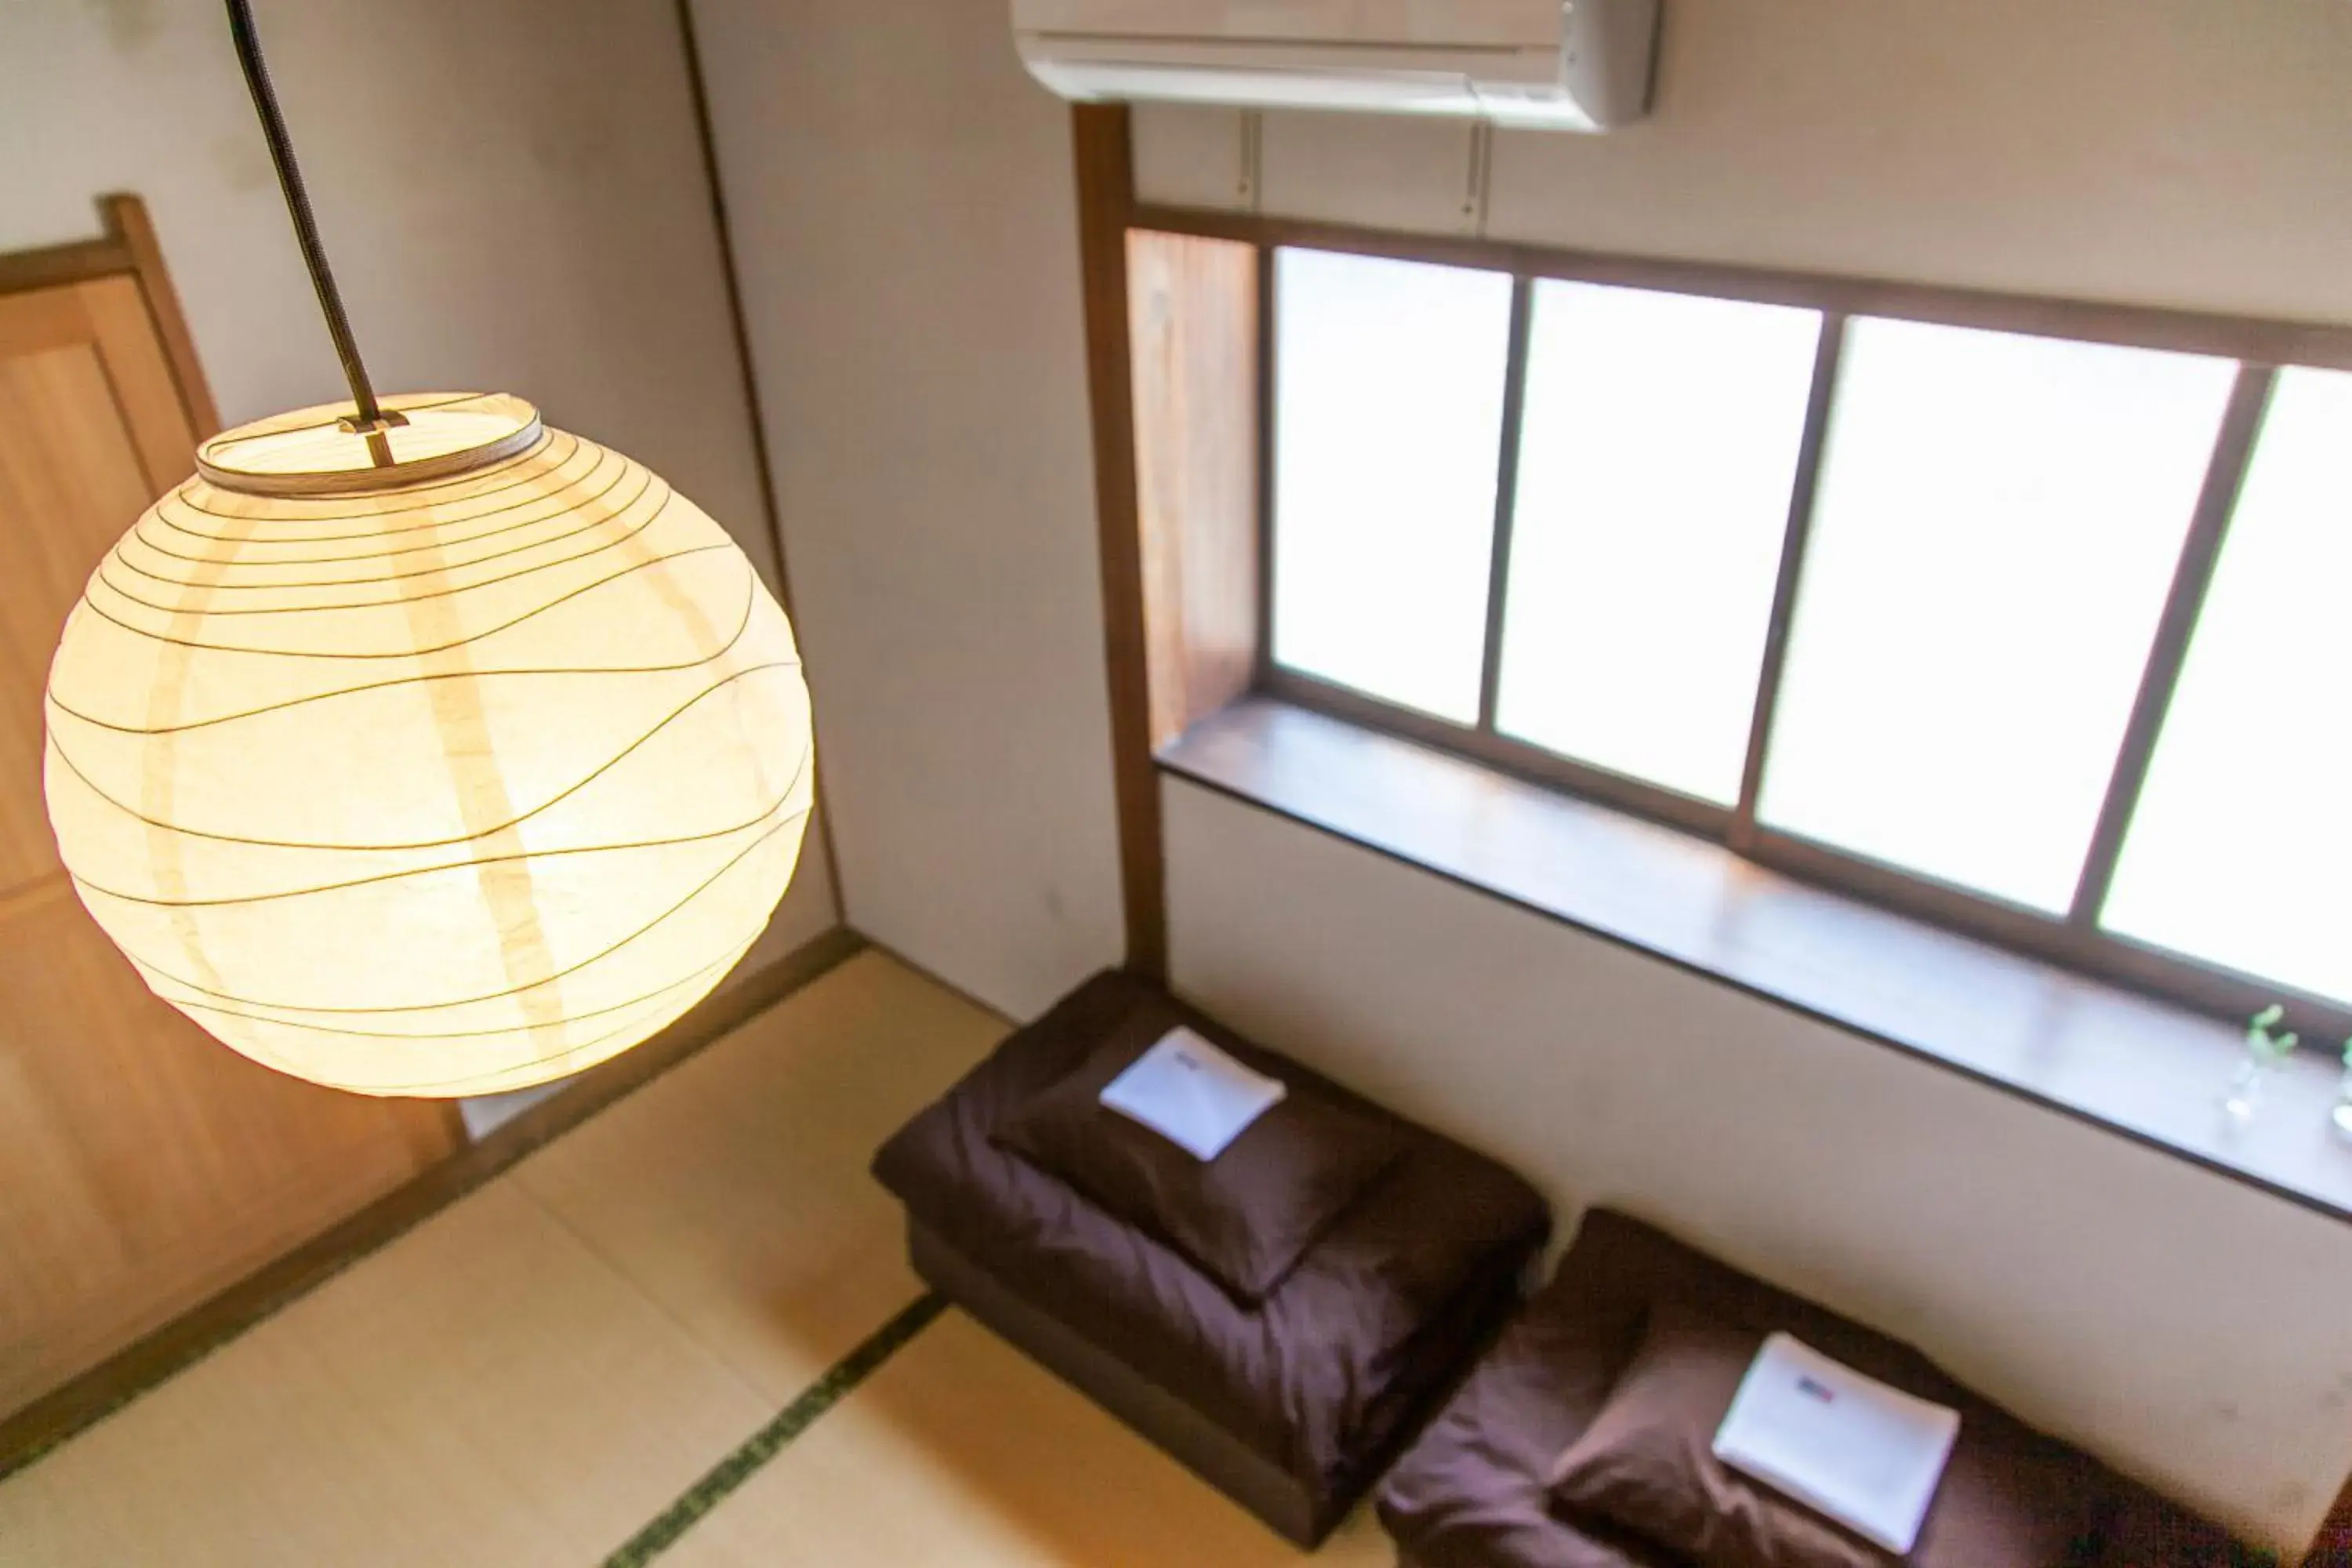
(370, 417)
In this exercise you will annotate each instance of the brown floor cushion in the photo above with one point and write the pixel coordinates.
(1245, 1218)
(1321, 1375)
(1473, 1492)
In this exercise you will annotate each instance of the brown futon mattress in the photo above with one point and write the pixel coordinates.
(1320, 1376)
(1473, 1492)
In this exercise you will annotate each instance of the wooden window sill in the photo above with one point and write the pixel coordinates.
(2134, 1066)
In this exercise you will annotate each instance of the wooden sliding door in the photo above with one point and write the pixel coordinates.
(142, 1167)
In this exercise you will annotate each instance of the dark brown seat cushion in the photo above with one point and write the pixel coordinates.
(1244, 1218)
(2008, 1498)
(1321, 1374)
(1473, 1492)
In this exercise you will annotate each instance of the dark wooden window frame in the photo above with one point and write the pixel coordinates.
(2074, 940)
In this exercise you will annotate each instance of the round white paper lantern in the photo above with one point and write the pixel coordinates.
(435, 778)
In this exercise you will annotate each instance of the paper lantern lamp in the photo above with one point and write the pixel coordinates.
(438, 775)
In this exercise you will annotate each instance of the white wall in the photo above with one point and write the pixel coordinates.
(512, 194)
(2189, 1329)
(2158, 151)
(902, 210)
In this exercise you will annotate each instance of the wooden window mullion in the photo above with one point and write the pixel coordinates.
(2209, 529)
(1267, 307)
(1793, 563)
(1506, 486)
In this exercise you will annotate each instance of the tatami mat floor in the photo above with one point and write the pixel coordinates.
(540, 1373)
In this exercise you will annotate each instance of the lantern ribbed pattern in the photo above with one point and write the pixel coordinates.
(440, 778)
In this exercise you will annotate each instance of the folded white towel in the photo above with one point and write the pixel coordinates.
(1191, 1093)
(1866, 1454)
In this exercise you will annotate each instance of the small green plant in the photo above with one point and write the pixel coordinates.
(2266, 1048)
(2271, 1049)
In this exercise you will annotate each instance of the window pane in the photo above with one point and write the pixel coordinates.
(2241, 851)
(1655, 460)
(1387, 423)
(1996, 524)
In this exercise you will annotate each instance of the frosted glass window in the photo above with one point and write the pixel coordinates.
(1658, 448)
(2240, 850)
(1387, 426)
(1997, 523)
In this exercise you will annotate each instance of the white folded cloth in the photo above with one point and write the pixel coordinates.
(1847, 1446)
(1191, 1093)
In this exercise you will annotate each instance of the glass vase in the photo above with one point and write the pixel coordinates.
(2245, 1095)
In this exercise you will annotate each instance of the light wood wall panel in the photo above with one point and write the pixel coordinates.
(1192, 315)
(142, 1167)
(72, 476)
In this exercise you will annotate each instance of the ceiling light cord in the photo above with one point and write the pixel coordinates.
(369, 419)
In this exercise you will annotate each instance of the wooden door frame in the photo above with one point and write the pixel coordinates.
(127, 248)
(1106, 194)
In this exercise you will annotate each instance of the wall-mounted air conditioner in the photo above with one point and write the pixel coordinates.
(1574, 65)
